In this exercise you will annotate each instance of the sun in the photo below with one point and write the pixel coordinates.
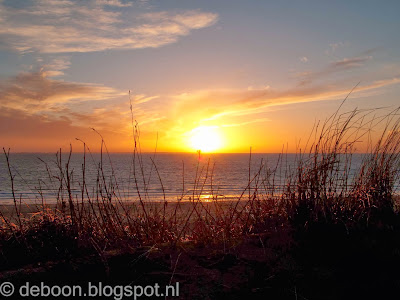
(205, 139)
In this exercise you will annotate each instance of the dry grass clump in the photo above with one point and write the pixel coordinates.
(322, 188)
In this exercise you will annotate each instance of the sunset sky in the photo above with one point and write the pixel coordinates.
(237, 73)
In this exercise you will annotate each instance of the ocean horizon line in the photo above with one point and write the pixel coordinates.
(171, 152)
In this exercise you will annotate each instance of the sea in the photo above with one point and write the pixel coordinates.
(37, 177)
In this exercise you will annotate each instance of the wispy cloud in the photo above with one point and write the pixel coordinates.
(115, 3)
(50, 26)
(34, 102)
(206, 106)
(37, 132)
(304, 59)
(53, 66)
(38, 113)
(348, 63)
(333, 47)
(261, 120)
(34, 91)
(139, 99)
(337, 66)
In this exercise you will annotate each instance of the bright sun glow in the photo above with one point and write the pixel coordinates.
(205, 138)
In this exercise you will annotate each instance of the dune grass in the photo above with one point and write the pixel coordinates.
(318, 191)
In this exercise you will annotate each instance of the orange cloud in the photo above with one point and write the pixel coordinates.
(32, 92)
(38, 110)
(37, 133)
(207, 106)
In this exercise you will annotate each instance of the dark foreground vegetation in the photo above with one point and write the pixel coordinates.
(327, 234)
